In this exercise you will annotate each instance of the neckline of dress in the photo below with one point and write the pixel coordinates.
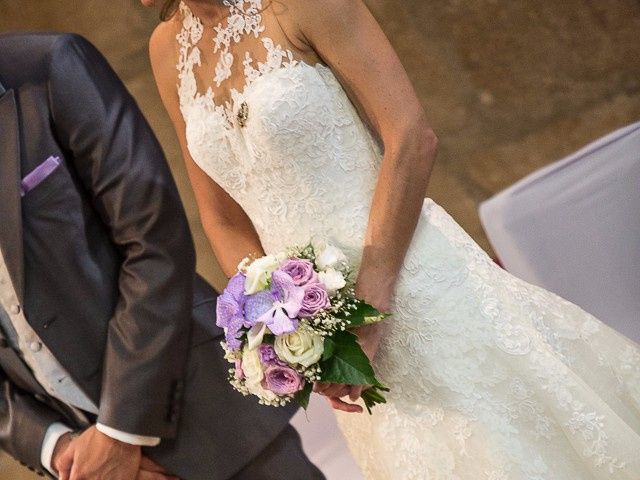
(191, 33)
(226, 111)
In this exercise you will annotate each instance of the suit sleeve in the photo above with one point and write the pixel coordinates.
(23, 424)
(121, 165)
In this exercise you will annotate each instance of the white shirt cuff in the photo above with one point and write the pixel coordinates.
(129, 438)
(51, 437)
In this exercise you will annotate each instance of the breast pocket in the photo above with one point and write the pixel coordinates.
(46, 182)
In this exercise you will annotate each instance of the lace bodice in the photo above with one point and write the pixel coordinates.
(302, 161)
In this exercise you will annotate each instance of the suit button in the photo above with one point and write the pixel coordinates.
(35, 346)
(15, 309)
(4, 343)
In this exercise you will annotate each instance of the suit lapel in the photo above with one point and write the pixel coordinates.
(10, 208)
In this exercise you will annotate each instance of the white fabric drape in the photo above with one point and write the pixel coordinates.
(574, 228)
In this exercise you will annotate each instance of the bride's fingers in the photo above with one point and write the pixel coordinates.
(338, 404)
(328, 389)
(356, 392)
(337, 391)
(334, 390)
(319, 387)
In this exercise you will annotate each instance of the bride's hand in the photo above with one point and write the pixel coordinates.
(334, 392)
(369, 337)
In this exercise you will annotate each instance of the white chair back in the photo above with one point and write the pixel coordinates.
(573, 227)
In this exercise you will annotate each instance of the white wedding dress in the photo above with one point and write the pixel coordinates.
(491, 378)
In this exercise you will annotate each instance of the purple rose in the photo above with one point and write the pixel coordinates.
(301, 271)
(282, 380)
(315, 300)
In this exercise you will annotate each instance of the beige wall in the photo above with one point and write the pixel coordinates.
(510, 85)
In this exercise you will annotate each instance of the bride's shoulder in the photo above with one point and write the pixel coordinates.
(306, 20)
(318, 17)
(163, 55)
(162, 43)
(321, 9)
(163, 51)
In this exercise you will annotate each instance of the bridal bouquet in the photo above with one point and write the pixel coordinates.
(287, 321)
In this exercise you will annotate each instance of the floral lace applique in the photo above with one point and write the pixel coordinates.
(245, 18)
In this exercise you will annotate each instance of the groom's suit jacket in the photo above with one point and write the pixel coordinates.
(102, 261)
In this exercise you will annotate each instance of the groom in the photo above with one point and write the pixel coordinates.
(110, 366)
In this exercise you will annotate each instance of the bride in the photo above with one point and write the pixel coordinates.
(296, 119)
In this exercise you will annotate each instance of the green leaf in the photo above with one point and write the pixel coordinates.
(329, 349)
(373, 397)
(303, 396)
(347, 363)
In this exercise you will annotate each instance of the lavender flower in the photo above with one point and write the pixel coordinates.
(282, 380)
(301, 271)
(257, 305)
(282, 318)
(230, 311)
(268, 355)
(315, 300)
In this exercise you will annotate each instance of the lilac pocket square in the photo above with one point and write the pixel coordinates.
(38, 174)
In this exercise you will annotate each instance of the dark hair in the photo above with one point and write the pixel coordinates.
(169, 9)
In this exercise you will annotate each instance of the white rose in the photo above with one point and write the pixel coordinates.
(259, 272)
(302, 347)
(330, 257)
(332, 279)
(252, 367)
(259, 391)
(254, 374)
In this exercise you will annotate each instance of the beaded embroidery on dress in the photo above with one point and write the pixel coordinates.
(491, 378)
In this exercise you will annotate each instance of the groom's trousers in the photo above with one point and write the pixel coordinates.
(283, 458)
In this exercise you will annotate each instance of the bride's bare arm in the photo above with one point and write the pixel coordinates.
(229, 230)
(347, 37)
(344, 34)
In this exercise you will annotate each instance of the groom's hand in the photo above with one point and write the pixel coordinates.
(96, 456)
(149, 470)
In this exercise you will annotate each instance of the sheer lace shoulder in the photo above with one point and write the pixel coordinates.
(236, 44)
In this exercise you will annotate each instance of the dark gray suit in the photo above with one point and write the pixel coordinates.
(103, 264)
